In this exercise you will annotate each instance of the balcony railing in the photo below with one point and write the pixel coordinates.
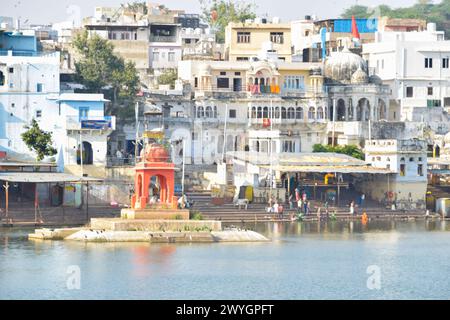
(22, 53)
(91, 123)
(154, 38)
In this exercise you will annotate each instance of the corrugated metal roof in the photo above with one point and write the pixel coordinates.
(43, 177)
(300, 159)
(330, 169)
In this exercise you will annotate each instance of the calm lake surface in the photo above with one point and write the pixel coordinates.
(303, 261)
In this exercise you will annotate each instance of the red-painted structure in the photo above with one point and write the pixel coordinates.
(154, 169)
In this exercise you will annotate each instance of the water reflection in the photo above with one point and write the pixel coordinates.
(329, 227)
(295, 265)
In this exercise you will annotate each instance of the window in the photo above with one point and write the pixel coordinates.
(445, 63)
(428, 63)
(311, 113)
(38, 114)
(237, 73)
(232, 113)
(299, 113)
(83, 112)
(155, 56)
(277, 37)
(320, 113)
(420, 170)
(2, 79)
(433, 103)
(243, 37)
(242, 58)
(430, 91)
(288, 146)
(11, 70)
(195, 82)
(223, 73)
(171, 57)
(187, 41)
(223, 83)
(402, 170)
(409, 92)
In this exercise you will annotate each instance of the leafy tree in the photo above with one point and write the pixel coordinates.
(136, 7)
(227, 11)
(38, 141)
(102, 71)
(350, 150)
(168, 77)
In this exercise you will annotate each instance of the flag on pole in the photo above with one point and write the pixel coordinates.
(355, 33)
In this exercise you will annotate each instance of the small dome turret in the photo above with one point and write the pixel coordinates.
(359, 77)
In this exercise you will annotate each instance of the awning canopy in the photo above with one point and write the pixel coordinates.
(330, 169)
(43, 177)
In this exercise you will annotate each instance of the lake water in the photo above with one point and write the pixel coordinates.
(411, 260)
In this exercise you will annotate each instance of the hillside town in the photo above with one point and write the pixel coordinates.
(338, 116)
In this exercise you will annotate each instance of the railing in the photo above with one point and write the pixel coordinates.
(91, 123)
(154, 38)
(256, 90)
(23, 53)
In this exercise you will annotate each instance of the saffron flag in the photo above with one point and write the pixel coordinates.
(355, 32)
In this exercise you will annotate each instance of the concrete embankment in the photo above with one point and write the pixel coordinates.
(153, 231)
(167, 237)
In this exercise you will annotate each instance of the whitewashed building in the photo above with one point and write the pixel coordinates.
(30, 89)
(416, 65)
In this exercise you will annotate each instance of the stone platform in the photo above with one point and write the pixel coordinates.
(155, 214)
(154, 225)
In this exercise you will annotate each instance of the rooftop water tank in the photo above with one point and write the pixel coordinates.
(431, 27)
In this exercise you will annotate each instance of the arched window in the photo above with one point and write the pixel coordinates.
(283, 113)
(259, 112)
(265, 112)
(319, 113)
(299, 113)
(291, 113)
(311, 113)
(209, 112)
(201, 112)
(253, 112)
(277, 112)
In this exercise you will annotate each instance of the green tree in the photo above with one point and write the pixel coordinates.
(102, 71)
(350, 150)
(136, 7)
(168, 77)
(38, 141)
(227, 11)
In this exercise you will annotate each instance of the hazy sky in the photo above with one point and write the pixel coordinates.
(48, 11)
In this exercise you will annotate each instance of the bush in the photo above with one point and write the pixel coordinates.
(195, 215)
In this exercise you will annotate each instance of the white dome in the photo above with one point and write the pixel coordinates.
(359, 77)
(341, 66)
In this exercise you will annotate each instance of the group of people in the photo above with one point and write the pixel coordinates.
(352, 204)
(275, 206)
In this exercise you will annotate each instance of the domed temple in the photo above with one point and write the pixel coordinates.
(353, 96)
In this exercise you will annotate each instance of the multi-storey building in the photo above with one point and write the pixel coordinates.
(30, 89)
(406, 186)
(244, 40)
(416, 67)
